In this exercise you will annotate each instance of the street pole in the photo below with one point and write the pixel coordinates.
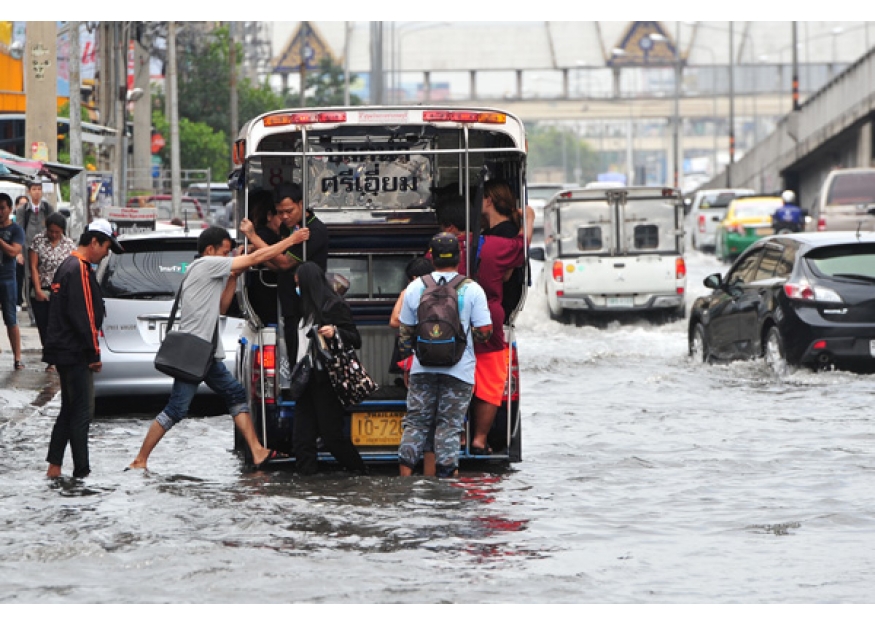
(119, 93)
(346, 33)
(677, 99)
(232, 61)
(303, 72)
(731, 111)
(77, 183)
(377, 78)
(141, 157)
(176, 187)
(796, 106)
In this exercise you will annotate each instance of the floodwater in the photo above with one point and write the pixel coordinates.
(646, 479)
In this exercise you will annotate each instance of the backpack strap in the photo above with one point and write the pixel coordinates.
(457, 283)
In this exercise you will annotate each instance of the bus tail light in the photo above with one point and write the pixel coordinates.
(465, 117)
(311, 117)
(265, 360)
(331, 116)
(512, 386)
(282, 119)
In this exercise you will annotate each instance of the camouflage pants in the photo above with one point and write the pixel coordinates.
(436, 403)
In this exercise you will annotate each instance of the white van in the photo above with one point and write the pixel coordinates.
(614, 251)
(707, 211)
(846, 201)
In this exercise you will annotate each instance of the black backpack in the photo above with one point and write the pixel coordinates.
(439, 340)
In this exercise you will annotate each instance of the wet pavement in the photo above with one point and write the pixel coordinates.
(646, 478)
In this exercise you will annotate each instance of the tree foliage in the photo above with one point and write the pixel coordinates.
(327, 85)
(200, 146)
(204, 84)
(560, 147)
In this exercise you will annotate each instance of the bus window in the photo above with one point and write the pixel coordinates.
(356, 271)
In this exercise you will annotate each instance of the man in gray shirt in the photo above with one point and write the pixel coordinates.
(207, 291)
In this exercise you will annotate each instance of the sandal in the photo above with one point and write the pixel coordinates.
(19, 365)
(481, 451)
(271, 457)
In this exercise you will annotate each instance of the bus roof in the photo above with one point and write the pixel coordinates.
(320, 118)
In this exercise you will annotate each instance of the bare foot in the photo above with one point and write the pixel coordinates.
(136, 464)
(54, 471)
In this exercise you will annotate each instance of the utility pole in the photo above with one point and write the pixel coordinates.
(796, 106)
(347, 30)
(119, 94)
(377, 79)
(304, 31)
(40, 84)
(176, 187)
(78, 203)
(142, 139)
(731, 111)
(678, 75)
(232, 61)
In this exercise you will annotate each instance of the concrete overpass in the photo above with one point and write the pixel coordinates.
(833, 128)
(593, 109)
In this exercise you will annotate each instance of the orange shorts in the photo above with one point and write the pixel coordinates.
(490, 375)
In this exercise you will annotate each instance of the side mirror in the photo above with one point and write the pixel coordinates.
(713, 281)
(536, 253)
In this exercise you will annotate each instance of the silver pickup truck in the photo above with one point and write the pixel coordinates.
(614, 251)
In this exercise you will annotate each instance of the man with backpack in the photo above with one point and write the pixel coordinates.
(442, 315)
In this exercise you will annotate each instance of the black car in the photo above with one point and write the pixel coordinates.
(805, 299)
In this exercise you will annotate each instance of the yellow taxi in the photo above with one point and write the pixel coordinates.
(747, 220)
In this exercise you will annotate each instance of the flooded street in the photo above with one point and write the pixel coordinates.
(646, 478)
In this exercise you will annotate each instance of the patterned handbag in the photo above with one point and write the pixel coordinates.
(348, 377)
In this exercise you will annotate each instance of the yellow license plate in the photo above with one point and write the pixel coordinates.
(376, 429)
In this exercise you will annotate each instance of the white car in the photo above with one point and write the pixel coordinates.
(609, 252)
(707, 211)
(539, 194)
(138, 291)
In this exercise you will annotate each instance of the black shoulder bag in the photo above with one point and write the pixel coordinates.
(184, 356)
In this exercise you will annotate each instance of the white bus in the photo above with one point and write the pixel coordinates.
(372, 175)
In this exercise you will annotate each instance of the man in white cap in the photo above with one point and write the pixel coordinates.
(75, 316)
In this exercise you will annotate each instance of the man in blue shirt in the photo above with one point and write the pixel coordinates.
(438, 397)
(11, 243)
(789, 217)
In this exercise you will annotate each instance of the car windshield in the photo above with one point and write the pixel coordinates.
(717, 200)
(852, 189)
(844, 261)
(147, 273)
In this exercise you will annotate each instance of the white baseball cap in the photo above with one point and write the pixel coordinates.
(104, 227)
